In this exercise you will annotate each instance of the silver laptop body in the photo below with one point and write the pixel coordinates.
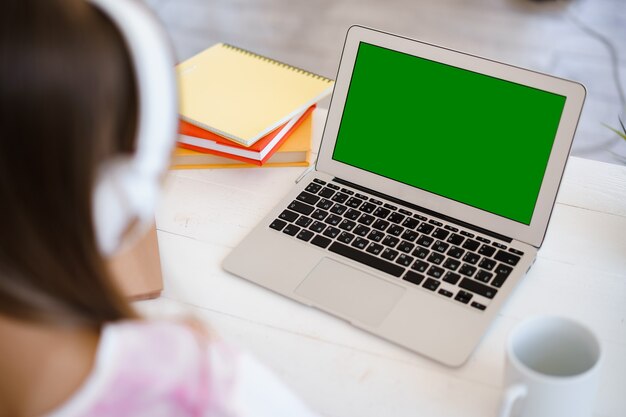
(431, 195)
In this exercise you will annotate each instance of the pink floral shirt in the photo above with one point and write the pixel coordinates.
(165, 369)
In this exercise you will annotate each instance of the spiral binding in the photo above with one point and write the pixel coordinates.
(275, 62)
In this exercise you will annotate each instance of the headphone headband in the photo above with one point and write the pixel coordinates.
(136, 180)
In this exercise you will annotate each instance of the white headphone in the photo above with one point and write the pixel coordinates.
(128, 187)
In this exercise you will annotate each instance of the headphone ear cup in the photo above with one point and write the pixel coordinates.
(123, 197)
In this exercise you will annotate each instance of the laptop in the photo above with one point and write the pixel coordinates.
(431, 195)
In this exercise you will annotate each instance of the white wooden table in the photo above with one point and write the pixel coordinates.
(341, 371)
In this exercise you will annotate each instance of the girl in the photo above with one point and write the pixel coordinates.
(70, 345)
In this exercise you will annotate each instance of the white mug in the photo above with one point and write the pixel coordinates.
(552, 369)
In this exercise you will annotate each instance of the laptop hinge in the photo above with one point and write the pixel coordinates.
(305, 173)
(425, 210)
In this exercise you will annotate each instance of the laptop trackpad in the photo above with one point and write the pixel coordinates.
(349, 292)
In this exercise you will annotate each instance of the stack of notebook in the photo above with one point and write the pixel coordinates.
(240, 109)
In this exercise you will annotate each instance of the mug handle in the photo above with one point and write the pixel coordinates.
(512, 394)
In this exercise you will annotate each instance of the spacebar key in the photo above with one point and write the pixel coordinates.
(367, 259)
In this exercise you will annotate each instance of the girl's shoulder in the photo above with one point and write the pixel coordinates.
(147, 340)
(148, 368)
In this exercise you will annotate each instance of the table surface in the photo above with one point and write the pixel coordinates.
(342, 371)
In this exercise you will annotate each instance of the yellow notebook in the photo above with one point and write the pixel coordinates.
(243, 96)
(295, 152)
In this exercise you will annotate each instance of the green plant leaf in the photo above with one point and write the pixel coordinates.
(620, 134)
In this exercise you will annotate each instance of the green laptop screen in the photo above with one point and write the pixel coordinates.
(472, 138)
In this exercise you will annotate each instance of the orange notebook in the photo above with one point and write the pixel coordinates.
(294, 152)
(200, 140)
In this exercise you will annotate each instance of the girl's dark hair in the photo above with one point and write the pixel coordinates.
(68, 101)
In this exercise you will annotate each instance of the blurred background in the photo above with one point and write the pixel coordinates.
(583, 40)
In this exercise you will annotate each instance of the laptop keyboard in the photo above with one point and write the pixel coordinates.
(424, 252)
